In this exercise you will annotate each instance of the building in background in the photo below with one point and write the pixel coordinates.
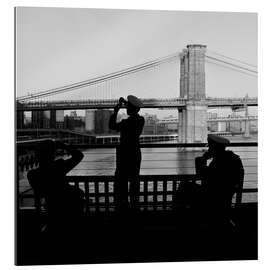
(74, 122)
(168, 124)
(20, 119)
(102, 121)
(37, 119)
(150, 125)
(59, 119)
(90, 121)
(46, 119)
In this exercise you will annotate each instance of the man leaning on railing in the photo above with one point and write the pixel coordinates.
(221, 179)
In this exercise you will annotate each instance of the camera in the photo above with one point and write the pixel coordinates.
(122, 101)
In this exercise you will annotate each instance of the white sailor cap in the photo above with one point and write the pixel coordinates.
(218, 140)
(136, 102)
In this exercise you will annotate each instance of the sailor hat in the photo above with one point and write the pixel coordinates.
(217, 140)
(134, 101)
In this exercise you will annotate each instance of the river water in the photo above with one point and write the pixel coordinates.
(157, 161)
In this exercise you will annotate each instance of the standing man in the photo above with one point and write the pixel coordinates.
(221, 178)
(128, 153)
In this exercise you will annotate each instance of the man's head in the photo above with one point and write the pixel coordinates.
(133, 105)
(46, 152)
(216, 144)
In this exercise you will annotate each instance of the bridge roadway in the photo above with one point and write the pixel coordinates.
(148, 103)
(233, 119)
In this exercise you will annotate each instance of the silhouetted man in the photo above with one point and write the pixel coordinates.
(128, 154)
(221, 178)
(49, 181)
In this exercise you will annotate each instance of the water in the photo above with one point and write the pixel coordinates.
(162, 161)
(157, 161)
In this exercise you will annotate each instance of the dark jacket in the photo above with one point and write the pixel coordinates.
(128, 154)
(222, 177)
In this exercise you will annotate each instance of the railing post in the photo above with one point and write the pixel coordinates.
(106, 190)
(164, 196)
(145, 190)
(86, 192)
(155, 194)
(97, 196)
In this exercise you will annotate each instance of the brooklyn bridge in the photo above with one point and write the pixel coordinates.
(192, 103)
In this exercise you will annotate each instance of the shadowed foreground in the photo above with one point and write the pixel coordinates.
(149, 236)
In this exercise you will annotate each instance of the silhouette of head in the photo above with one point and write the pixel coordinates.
(216, 144)
(46, 152)
(133, 105)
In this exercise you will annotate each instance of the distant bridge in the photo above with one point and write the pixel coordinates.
(147, 103)
(189, 80)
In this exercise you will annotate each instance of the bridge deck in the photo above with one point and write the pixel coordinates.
(147, 103)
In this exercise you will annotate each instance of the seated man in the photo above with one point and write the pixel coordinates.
(48, 181)
(221, 178)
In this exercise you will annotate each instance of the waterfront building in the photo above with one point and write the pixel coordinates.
(90, 121)
(102, 121)
(150, 126)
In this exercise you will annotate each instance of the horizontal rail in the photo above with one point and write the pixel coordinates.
(142, 145)
(157, 191)
(152, 178)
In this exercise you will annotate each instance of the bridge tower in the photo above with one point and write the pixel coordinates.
(193, 118)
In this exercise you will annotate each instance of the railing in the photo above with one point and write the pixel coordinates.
(156, 190)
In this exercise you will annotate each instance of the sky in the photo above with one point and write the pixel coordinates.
(58, 46)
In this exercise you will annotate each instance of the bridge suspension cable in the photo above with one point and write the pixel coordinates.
(100, 79)
(231, 64)
(231, 68)
(109, 79)
(231, 58)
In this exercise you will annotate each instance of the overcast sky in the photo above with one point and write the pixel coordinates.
(58, 46)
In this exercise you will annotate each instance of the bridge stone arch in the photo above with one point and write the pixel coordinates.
(193, 118)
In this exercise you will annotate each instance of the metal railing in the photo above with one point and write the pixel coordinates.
(156, 190)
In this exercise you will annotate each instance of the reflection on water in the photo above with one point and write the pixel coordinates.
(162, 161)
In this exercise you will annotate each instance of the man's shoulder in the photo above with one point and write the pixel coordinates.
(141, 119)
(233, 160)
(231, 155)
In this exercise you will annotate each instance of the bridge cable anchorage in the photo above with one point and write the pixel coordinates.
(234, 69)
(101, 79)
(231, 58)
(231, 64)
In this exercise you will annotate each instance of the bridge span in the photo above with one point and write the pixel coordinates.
(192, 102)
(147, 103)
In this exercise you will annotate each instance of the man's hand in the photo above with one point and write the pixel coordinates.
(207, 155)
(117, 108)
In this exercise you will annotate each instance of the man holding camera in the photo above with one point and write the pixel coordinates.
(128, 153)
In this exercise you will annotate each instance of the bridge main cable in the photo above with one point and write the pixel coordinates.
(231, 64)
(101, 79)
